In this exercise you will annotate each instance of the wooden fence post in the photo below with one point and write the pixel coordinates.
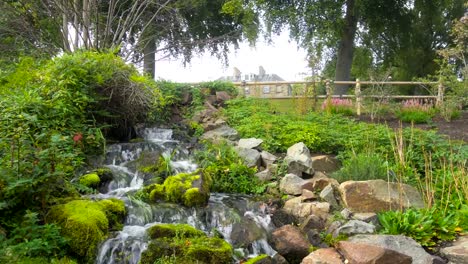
(328, 89)
(358, 97)
(440, 94)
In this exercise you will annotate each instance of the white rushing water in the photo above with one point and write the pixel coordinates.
(226, 214)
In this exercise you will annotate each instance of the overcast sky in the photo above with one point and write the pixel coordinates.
(281, 57)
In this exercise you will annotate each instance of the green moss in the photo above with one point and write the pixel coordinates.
(173, 230)
(256, 259)
(115, 212)
(210, 250)
(185, 244)
(179, 189)
(39, 260)
(86, 223)
(90, 180)
(193, 197)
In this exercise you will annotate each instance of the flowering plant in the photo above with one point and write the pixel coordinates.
(416, 110)
(338, 106)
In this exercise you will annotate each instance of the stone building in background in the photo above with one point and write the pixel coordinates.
(247, 86)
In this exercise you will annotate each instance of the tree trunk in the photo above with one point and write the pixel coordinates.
(345, 49)
(149, 64)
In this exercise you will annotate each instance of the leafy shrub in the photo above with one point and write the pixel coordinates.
(30, 239)
(426, 226)
(225, 170)
(362, 167)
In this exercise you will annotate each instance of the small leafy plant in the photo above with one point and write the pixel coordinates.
(338, 106)
(362, 167)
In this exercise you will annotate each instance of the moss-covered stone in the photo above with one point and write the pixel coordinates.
(256, 259)
(90, 180)
(173, 230)
(193, 197)
(185, 188)
(115, 212)
(185, 244)
(85, 223)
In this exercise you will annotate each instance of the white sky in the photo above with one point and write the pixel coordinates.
(281, 57)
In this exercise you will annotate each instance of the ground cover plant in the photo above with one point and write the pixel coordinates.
(424, 159)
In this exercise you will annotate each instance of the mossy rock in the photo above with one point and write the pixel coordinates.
(174, 230)
(115, 212)
(90, 180)
(257, 259)
(85, 224)
(184, 188)
(185, 244)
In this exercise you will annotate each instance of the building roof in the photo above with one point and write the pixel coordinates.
(261, 76)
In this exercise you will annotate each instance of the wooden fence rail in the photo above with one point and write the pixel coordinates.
(357, 90)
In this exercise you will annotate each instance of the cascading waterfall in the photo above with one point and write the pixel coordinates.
(232, 216)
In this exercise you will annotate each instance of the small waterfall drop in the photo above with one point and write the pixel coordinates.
(230, 215)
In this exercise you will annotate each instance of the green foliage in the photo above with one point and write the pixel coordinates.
(362, 167)
(30, 239)
(426, 226)
(85, 224)
(332, 241)
(414, 116)
(256, 259)
(180, 189)
(225, 170)
(173, 230)
(90, 180)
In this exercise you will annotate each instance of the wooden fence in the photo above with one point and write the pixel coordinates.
(258, 86)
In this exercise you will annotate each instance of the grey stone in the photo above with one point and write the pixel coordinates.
(267, 158)
(402, 244)
(299, 160)
(301, 210)
(250, 143)
(225, 132)
(346, 213)
(354, 227)
(366, 217)
(264, 175)
(458, 252)
(291, 184)
(328, 195)
(251, 157)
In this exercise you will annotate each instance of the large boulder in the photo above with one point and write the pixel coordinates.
(358, 253)
(325, 163)
(299, 160)
(291, 184)
(401, 244)
(223, 132)
(378, 195)
(250, 143)
(289, 241)
(323, 256)
(251, 157)
(458, 252)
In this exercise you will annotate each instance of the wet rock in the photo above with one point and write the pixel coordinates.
(289, 241)
(458, 252)
(267, 158)
(223, 132)
(299, 160)
(325, 163)
(281, 217)
(245, 232)
(323, 256)
(291, 184)
(401, 244)
(354, 227)
(369, 254)
(250, 143)
(328, 195)
(278, 259)
(251, 157)
(378, 195)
